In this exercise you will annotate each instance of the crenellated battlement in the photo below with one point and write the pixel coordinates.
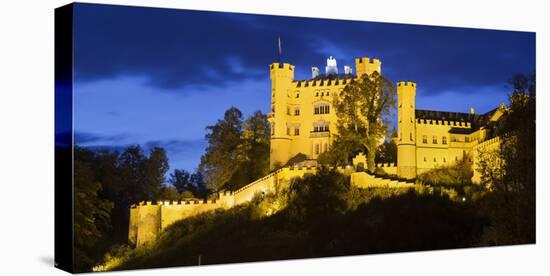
(385, 165)
(406, 83)
(363, 60)
(444, 123)
(278, 65)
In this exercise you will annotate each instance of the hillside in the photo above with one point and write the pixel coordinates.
(320, 215)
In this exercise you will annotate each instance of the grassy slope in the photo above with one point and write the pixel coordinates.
(402, 222)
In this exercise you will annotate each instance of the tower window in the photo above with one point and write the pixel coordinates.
(297, 95)
(296, 130)
(435, 139)
(424, 140)
(296, 111)
(444, 141)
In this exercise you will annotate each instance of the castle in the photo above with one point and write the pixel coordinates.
(303, 121)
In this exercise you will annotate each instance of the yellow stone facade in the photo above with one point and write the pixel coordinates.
(303, 121)
(301, 117)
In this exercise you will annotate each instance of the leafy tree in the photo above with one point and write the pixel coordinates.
(511, 206)
(180, 179)
(201, 189)
(387, 151)
(132, 163)
(252, 152)
(91, 215)
(156, 167)
(219, 162)
(296, 159)
(169, 193)
(361, 108)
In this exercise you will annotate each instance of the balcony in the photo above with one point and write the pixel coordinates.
(319, 134)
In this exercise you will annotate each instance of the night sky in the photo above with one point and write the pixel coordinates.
(158, 77)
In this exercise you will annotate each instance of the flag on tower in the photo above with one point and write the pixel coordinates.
(280, 47)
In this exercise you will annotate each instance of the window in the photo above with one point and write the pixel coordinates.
(297, 95)
(425, 159)
(296, 130)
(444, 160)
(411, 136)
(317, 94)
(456, 158)
(328, 93)
(435, 139)
(322, 94)
(297, 111)
(424, 141)
(287, 110)
(321, 127)
(444, 141)
(467, 139)
(322, 109)
(316, 148)
(435, 160)
(288, 130)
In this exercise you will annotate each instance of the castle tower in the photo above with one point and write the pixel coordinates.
(282, 75)
(365, 65)
(406, 145)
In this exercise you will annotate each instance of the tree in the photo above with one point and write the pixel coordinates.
(512, 204)
(219, 162)
(361, 108)
(387, 151)
(156, 167)
(252, 151)
(91, 215)
(201, 189)
(180, 180)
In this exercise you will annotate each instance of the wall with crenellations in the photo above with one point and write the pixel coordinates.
(148, 219)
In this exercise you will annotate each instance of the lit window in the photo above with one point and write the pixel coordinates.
(435, 139)
(444, 140)
(424, 140)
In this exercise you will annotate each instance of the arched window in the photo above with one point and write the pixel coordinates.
(322, 108)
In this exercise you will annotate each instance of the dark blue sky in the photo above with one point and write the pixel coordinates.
(157, 77)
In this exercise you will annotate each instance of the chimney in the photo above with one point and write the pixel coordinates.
(347, 70)
(472, 110)
(314, 72)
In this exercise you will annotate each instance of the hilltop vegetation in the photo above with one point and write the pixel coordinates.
(319, 215)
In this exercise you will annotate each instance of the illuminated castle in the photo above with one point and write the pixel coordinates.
(303, 121)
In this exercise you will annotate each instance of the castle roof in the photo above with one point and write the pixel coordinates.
(477, 120)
